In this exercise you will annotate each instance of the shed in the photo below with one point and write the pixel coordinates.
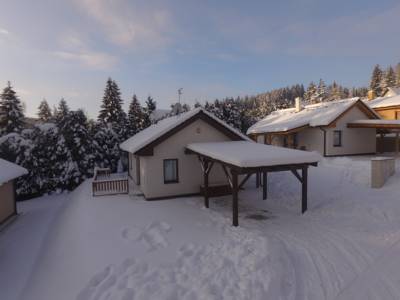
(8, 173)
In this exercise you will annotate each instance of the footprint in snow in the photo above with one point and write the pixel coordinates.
(153, 235)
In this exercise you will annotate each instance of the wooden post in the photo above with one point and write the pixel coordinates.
(304, 189)
(235, 205)
(257, 179)
(382, 143)
(397, 143)
(205, 167)
(265, 185)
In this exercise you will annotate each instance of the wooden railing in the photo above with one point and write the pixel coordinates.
(106, 184)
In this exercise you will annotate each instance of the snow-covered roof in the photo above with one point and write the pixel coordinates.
(384, 102)
(10, 171)
(150, 134)
(314, 115)
(246, 154)
(392, 91)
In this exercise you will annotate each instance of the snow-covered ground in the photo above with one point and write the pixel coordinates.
(347, 246)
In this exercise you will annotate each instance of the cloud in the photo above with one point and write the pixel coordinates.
(96, 60)
(4, 31)
(75, 47)
(126, 25)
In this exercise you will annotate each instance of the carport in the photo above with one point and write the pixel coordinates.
(246, 158)
(383, 126)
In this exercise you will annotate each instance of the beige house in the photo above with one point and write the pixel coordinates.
(159, 165)
(322, 127)
(8, 172)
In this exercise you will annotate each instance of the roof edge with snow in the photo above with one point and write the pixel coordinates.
(10, 171)
(143, 142)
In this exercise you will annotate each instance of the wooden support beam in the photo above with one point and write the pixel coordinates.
(244, 180)
(257, 179)
(295, 173)
(397, 144)
(227, 175)
(235, 204)
(304, 184)
(205, 174)
(265, 185)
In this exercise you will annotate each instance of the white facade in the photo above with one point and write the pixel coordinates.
(189, 171)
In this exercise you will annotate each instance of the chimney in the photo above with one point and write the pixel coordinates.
(298, 105)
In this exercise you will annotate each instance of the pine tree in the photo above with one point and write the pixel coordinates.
(376, 80)
(11, 111)
(398, 75)
(390, 78)
(310, 95)
(106, 150)
(78, 140)
(321, 91)
(50, 163)
(62, 111)
(136, 117)
(151, 106)
(44, 111)
(111, 109)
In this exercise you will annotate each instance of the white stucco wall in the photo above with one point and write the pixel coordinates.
(354, 140)
(190, 174)
(312, 139)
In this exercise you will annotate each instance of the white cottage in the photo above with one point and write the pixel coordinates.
(322, 127)
(158, 163)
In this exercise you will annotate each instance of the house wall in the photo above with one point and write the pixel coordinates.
(189, 169)
(312, 139)
(354, 140)
(389, 113)
(7, 201)
(132, 168)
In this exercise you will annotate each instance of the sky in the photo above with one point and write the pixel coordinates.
(212, 49)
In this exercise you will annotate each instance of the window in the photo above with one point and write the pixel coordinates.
(171, 171)
(337, 138)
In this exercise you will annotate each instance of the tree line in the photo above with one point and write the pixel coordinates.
(65, 146)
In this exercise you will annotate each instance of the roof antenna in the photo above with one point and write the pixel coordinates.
(179, 100)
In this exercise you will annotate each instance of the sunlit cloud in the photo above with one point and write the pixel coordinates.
(96, 60)
(124, 25)
(4, 31)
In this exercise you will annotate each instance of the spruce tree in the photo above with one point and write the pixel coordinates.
(50, 166)
(398, 75)
(62, 111)
(376, 80)
(136, 117)
(44, 112)
(321, 91)
(390, 78)
(11, 111)
(310, 95)
(106, 150)
(111, 109)
(75, 130)
(151, 106)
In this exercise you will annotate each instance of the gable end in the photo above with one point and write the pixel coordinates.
(148, 150)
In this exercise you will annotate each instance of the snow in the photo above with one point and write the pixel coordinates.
(384, 102)
(321, 114)
(250, 154)
(346, 246)
(155, 131)
(10, 171)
